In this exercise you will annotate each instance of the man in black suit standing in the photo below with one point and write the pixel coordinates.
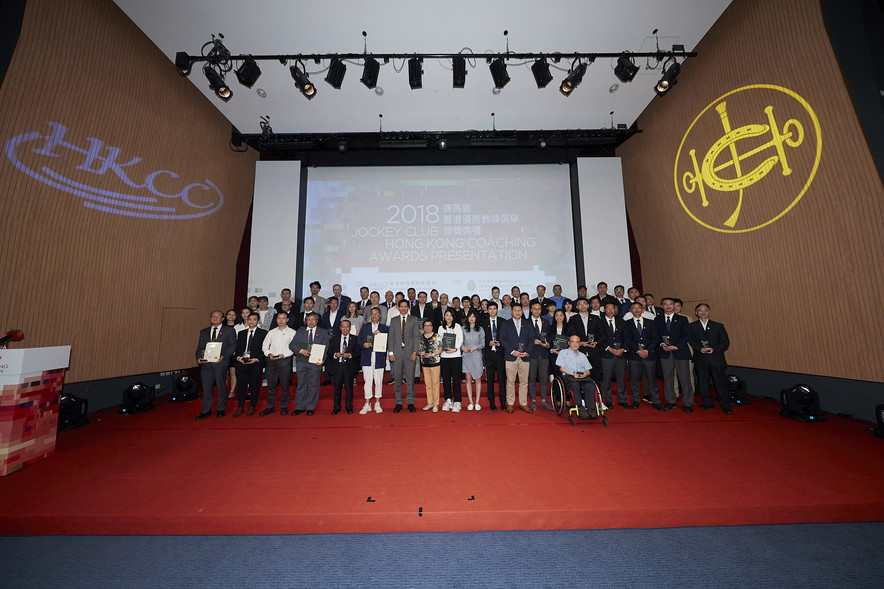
(641, 343)
(342, 364)
(307, 393)
(249, 363)
(541, 298)
(363, 301)
(538, 362)
(710, 342)
(675, 356)
(331, 319)
(422, 310)
(593, 338)
(495, 363)
(213, 369)
(614, 357)
(402, 348)
(517, 338)
(286, 295)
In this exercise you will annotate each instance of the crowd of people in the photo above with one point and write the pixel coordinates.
(515, 343)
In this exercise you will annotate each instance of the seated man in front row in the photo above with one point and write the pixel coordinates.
(575, 365)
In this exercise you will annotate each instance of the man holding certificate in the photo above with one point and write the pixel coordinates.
(308, 345)
(213, 350)
(373, 341)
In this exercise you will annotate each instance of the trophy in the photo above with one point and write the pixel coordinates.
(246, 356)
(665, 340)
(543, 338)
(704, 343)
(641, 346)
(590, 339)
(521, 347)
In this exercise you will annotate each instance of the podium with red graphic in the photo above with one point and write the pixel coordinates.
(30, 386)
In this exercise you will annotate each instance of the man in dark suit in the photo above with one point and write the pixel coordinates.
(614, 357)
(439, 311)
(363, 301)
(307, 393)
(213, 372)
(495, 363)
(343, 300)
(642, 341)
(286, 295)
(604, 297)
(422, 310)
(249, 362)
(307, 306)
(517, 338)
(541, 298)
(650, 307)
(288, 307)
(538, 362)
(342, 364)
(402, 348)
(593, 338)
(331, 319)
(710, 342)
(675, 356)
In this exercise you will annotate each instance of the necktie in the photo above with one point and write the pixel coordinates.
(668, 323)
(536, 327)
(518, 328)
(343, 347)
(638, 326)
(611, 322)
(214, 333)
(310, 336)
(403, 331)
(249, 341)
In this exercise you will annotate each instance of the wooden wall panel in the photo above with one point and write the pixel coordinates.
(98, 281)
(796, 295)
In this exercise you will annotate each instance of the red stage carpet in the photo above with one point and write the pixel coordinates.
(162, 473)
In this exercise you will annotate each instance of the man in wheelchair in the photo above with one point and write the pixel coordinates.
(575, 369)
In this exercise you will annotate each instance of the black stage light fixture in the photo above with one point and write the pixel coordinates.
(138, 398)
(573, 79)
(498, 73)
(736, 390)
(183, 63)
(336, 71)
(248, 73)
(217, 84)
(668, 79)
(370, 72)
(415, 73)
(71, 412)
(459, 73)
(879, 415)
(626, 68)
(184, 389)
(302, 82)
(540, 69)
(801, 403)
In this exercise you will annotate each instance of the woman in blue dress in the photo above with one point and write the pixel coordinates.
(473, 343)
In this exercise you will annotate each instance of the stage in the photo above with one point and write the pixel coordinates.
(162, 473)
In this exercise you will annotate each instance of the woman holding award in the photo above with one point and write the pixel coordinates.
(451, 334)
(473, 343)
(430, 350)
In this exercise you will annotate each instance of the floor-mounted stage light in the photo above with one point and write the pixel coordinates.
(736, 390)
(138, 398)
(626, 68)
(183, 389)
(370, 72)
(540, 69)
(668, 79)
(71, 412)
(336, 71)
(459, 72)
(498, 73)
(573, 79)
(217, 83)
(248, 73)
(801, 403)
(302, 82)
(879, 415)
(415, 73)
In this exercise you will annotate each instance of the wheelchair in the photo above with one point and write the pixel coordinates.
(563, 401)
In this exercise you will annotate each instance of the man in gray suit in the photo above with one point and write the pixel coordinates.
(402, 348)
(307, 393)
(214, 373)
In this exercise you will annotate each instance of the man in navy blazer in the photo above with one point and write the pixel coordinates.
(249, 362)
(307, 393)
(342, 364)
(215, 373)
(614, 357)
(642, 343)
(331, 318)
(709, 340)
(584, 324)
(675, 356)
(517, 339)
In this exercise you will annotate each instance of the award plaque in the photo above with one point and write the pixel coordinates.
(212, 352)
(379, 343)
(369, 338)
(317, 354)
(448, 341)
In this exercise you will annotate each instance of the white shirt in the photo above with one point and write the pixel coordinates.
(277, 342)
(458, 340)
(645, 315)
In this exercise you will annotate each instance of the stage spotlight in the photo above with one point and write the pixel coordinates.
(71, 412)
(459, 74)
(498, 73)
(801, 403)
(138, 398)
(248, 73)
(183, 389)
(217, 83)
(879, 415)
(342, 145)
(336, 71)
(183, 63)
(302, 82)
(626, 68)
(415, 73)
(540, 69)
(443, 145)
(573, 79)
(736, 389)
(668, 79)
(370, 72)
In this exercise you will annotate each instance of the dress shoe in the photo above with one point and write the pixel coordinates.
(669, 406)
(546, 405)
(349, 411)
(509, 408)
(326, 381)
(493, 407)
(659, 407)
(202, 416)
(533, 406)
(526, 408)
(267, 411)
(390, 381)
(647, 398)
(297, 411)
(635, 405)
(220, 413)
(335, 411)
(688, 409)
(707, 406)
(310, 412)
(397, 408)
(729, 411)
(625, 405)
(411, 408)
(250, 412)
(283, 411)
(239, 411)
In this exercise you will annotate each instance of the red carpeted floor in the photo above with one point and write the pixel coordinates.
(163, 473)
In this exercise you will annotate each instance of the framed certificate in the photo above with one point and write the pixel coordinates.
(317, 354)
(212, 353)
(380, 343)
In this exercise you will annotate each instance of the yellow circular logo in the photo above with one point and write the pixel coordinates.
(748, 158)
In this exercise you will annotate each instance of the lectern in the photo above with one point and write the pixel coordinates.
(30, 385)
